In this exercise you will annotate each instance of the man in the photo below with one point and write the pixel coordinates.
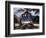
(26, 20)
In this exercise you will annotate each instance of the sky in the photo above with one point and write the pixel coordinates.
(19, 13)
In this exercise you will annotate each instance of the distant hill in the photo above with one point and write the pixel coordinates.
(35, 19)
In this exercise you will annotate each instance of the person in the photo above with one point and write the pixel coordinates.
(28, 18)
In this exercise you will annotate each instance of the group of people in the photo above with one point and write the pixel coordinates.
(26, 16)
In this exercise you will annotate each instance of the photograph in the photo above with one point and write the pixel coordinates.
(26, 18)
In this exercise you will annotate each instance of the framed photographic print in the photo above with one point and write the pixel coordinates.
(24, 18)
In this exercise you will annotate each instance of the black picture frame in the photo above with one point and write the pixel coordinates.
(7, 18)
